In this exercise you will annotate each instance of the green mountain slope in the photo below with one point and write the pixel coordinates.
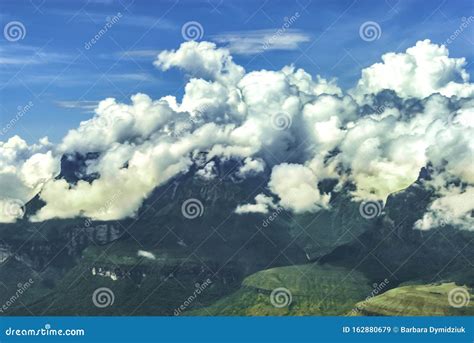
(296, 290)
(446, 299)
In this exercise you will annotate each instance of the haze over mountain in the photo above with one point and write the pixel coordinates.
(410, 111)
(248, 171)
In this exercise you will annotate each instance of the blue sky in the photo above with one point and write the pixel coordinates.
(51, 67)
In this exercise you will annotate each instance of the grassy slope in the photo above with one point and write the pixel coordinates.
(415, 300)
(315, 289)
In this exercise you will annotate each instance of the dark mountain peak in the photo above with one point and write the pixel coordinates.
(74, 167)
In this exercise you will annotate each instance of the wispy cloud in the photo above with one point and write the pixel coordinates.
(257, 41)
(85, 105)
(144, 53)
(25, 54)
(144, 21)
(143, 77)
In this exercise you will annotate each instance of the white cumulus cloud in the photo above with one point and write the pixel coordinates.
(423, 69)
(303, 129)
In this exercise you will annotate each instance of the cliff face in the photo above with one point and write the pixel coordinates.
(160, 248)
(394, 249)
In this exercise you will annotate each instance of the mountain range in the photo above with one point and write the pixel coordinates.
(154, 262)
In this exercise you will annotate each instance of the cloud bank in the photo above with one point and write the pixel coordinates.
(24, 169)
(413, 110)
